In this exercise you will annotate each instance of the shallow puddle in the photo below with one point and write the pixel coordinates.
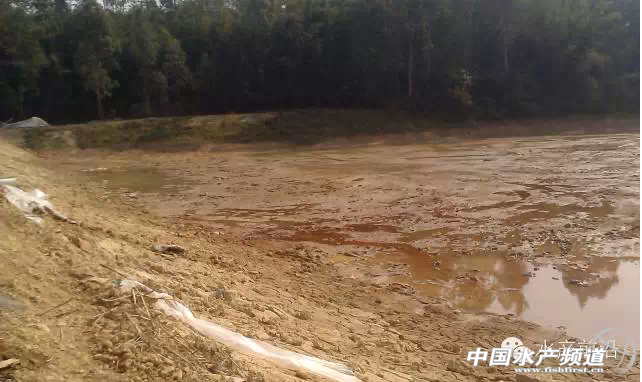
(585, 298)
(144, 179)
(544, 211)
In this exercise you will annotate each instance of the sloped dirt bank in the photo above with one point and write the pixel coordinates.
(263, 233)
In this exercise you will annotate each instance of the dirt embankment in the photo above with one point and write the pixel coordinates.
(60, 317)
(295, 127)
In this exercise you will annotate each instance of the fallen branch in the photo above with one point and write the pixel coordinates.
(56, 307)
(114, 270)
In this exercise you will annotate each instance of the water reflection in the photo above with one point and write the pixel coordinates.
(572, 294)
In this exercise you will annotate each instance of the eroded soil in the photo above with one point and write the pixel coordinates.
(543, 228)
(396, 259)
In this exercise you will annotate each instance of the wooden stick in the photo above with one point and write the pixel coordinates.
(66, 313)
(56, 307)
(146, 308)
(134, 296)
(113, 270)
(101, 315)
(114, 299)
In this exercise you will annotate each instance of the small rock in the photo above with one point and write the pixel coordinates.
(400, 288)
(9, 303)
(459, 366)
(292, 340)
(268, 317)
(525, 378)
(261, 335)
(172, 249)
(9, 363)
(167, 370)
(80, 243)
(451, 347)
(302, 374)
(221, 292)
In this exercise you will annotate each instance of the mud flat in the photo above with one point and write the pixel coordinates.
(544, 228)
(394, 258)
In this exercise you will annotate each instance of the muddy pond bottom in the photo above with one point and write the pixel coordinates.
(583, 298)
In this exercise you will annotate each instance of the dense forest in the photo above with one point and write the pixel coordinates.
(73, 60)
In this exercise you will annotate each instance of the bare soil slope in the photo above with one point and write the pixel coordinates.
(60, 316)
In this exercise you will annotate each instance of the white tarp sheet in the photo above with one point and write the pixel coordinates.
(33, 204)
(28, 123)
(285, 358)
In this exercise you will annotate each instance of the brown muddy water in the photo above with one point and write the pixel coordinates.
(541, 228)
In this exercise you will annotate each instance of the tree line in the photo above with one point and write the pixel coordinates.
(72, 61)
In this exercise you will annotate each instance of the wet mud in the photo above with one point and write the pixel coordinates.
(541, 228)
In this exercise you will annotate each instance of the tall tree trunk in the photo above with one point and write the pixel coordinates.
(177, 102)
(262, 84)
(21, 101)
(505, 58)
(290, 87)
(99, 104)
(505, 53)
(410, 62)
(146, 102)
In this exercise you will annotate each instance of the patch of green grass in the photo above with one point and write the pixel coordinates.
(44, 138)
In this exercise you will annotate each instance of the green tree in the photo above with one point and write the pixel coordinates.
(457, 58)
(143, 47)
(174, 68)
(21, 59)
(94, 57)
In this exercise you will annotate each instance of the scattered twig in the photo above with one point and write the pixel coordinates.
(56, 307)
(114, 270)
(398, 374)
(141, 316)
(66, 313)
(101, 315)
(277, 311)
(134, 296)
(179, 356)
(146, 307)
(140, 332)
(114, 299)
(444, 351)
